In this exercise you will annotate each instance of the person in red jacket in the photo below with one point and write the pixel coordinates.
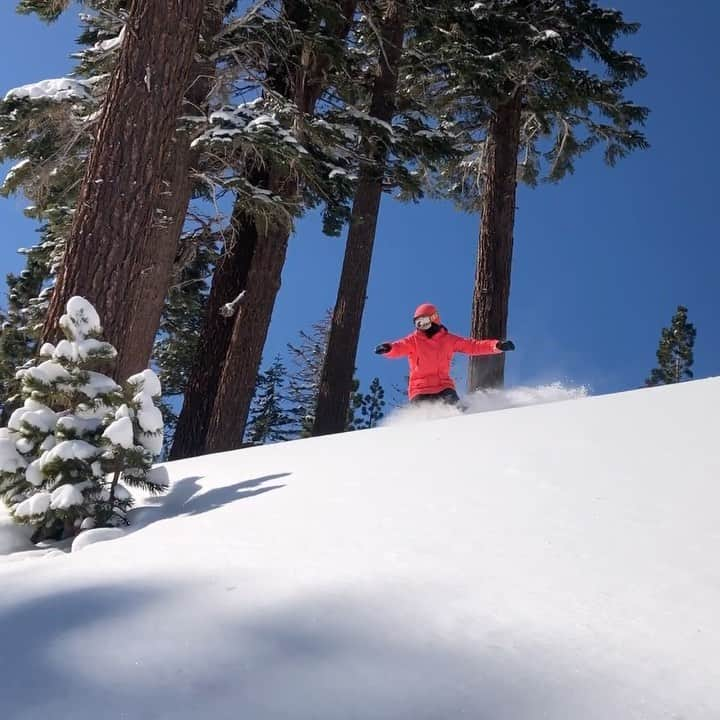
(429, 351)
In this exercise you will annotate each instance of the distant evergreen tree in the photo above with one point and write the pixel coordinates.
(269, 419)
(373, 405)
(675, 352)
(177, 341)
(367, 409)
(356, 400)
(304, 383)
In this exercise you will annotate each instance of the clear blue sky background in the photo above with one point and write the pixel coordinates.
(601, 260)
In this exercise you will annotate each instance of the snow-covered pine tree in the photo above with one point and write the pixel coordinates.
(79, 438)
(14, 352)
(675, 351)
(269, 419)
(48, 128)
(316, 29)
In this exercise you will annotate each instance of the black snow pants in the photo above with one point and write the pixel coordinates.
(447, 396)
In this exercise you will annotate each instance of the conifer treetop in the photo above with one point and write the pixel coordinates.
(561, 57)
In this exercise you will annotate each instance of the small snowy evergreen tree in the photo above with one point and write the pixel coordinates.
(79, 438)
(675, 352)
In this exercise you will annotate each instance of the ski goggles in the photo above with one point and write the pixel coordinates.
(423, 322)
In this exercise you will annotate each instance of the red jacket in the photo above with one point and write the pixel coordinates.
(430, 357)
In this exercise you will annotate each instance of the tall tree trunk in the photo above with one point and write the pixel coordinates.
(229, 279)
(181, 161)
(244, 354)
(242, 362)
(491, 295)
(111, 258)
(336, 382)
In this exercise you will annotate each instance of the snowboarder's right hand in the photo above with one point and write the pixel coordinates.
(383, 348)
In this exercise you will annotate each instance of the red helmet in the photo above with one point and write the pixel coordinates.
(427, 310)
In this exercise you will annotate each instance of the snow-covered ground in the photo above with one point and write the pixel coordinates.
(558, 561)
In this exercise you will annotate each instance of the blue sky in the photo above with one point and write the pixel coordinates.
(601, 260)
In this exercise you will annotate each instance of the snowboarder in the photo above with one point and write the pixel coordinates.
(429, 351)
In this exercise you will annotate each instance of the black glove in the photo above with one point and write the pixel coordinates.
(383, 348)
(505, 345)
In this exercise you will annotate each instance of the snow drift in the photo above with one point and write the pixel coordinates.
(555, 561)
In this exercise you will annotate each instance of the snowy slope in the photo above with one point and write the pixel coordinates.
(557, 561)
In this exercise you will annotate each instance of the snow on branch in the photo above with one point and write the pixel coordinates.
(55, 90)
(228, 309)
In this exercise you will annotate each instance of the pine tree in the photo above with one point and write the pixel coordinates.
(68, 453)
(336, 380)
(365, 410)
(675, 351)
(264, 276)
(59, 167)
(356, 400)
(203, 374)
(14, 352)
(271, 143)
(307, 357)
(530, 87)
(269, 420)
(48, 128)
(372, 406)
(117, 263)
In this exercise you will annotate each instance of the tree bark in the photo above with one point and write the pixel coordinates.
(494, 261)
(336, 382)
(112, 257)
(242, 362)
(229, 279)
(249, 332)
(181, 161)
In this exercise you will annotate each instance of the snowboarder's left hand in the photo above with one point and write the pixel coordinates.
(505, 345)
(383, 348)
